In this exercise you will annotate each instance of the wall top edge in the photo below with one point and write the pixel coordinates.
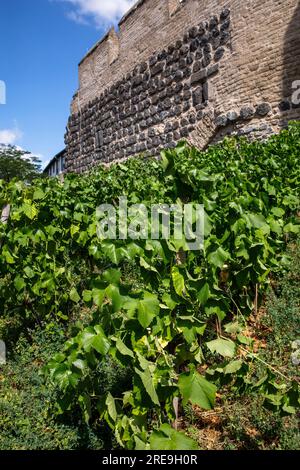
(95, 46)
(131, 11)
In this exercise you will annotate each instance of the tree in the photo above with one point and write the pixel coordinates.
(16, 163)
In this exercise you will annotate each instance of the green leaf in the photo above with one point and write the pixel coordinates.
(87, 295)
(19, 283)
(110, 251)
(100, 342)
(87, 337)
(122, 348)
(98, 296)
(74, 296)
(147, 380)
(224, 347)
(30, 210)
(203, 294)
(85, 403)
(178, 281)
(146, 265)
(277, 211)
(197, 390)
(148, 308)
(8, 257)
(291, 228)
(79, 364)
(256, 220)
(167, 438)
(111, 407)
(112, 276)
(38, 194)
(112, 292)
(74, 229)
(219, 257)
(233, 328)
(29, 272)
(233, 367)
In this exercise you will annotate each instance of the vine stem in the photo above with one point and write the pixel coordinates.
(254, 356)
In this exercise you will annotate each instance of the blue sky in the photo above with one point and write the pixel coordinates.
(41, 44)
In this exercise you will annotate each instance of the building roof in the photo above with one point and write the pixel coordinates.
(58, 155)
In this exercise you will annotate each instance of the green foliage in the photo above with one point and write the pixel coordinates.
(248, 425)
(169, 439)
(15, 163)
(26, 422)
(174, 313)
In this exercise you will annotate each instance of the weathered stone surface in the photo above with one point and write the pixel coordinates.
(219, 53)
(232, 116)
(247, 113)
(284, 105)
(263, 109)
(199, 76)
(212, 70)
(198, 96)
(171, 74)
(221, 121)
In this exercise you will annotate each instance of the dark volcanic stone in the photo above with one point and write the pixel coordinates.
(213, 23)
(194, 45)
(247, 113)
(187, 95)
(190, 59)
(212, 70)
(225, 25)
(158, 68)
(206, 60)
(153, 60)
(184, 50)
(143, 67)
(197, 96)
(225, 13)
(199, 76)
(184, 132)
(178, 75)
(205, 92)
(224, 37)
(263, 109)
(285, 105)
(221, 121)
(201, 29)
(219, 54)
(197, 66)
(162, 55)
(192, 118)
(193, 32)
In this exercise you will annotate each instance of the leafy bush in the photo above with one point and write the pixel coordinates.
(27, 420)
(178, 322)
(15, 163)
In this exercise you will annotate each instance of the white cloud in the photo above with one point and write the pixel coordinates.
(98, 12)
(10, 136)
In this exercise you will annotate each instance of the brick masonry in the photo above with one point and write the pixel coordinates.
(185, 69)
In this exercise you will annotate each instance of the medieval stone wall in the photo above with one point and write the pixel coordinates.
(185, 69)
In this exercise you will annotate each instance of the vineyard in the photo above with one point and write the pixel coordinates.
(143, 331)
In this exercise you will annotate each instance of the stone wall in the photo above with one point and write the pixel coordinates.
(185, 69)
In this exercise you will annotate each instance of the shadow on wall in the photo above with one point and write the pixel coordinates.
(291, 70)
